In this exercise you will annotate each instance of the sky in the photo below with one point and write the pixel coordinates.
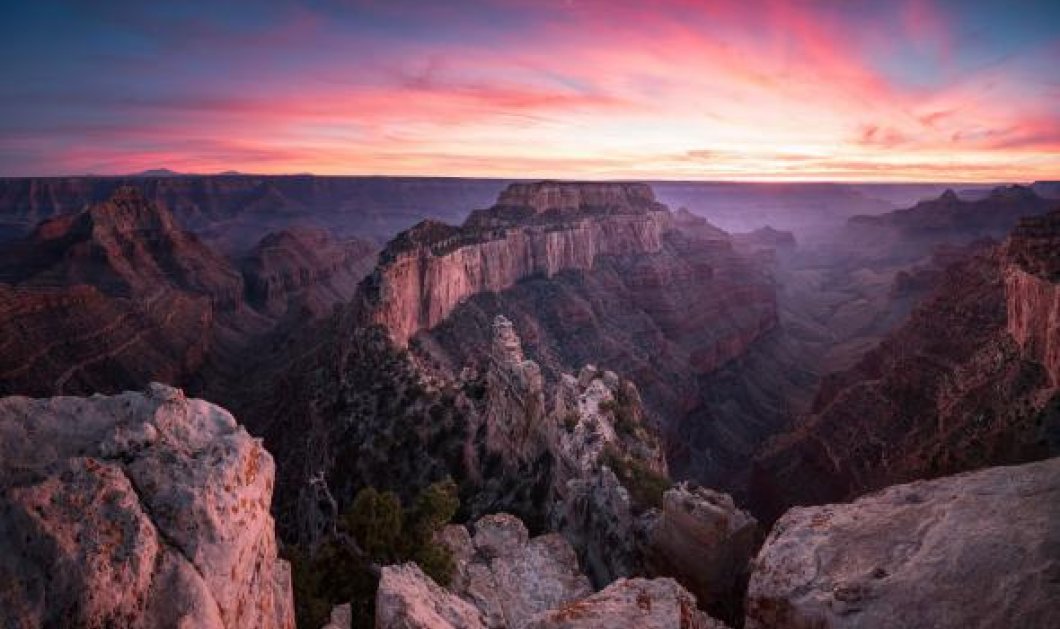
(888, 90)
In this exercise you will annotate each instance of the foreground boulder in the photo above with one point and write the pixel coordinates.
(136, 510)
(631, 604)
(409, 599)
(702, 538)
(509, 576)
(504, 579)
(975, 550)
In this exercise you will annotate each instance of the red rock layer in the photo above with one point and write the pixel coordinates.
(305, 263)
(76, 340)
(948, 391)
(427, 272)
(1032, 287)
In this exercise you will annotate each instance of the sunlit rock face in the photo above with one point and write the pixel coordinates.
(1032, 289)
(428, 270)
(631, 604)
(141, 510)
(976, 550)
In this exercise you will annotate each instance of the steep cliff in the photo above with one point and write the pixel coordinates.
(662, 299)
(141, 510)
(426, 272)
(975, 550)
(1032, 289)
(966, 382)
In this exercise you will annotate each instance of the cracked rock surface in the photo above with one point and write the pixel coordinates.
(976, 550)
(136, 510)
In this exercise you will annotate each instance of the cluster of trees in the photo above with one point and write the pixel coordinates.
(376, 530)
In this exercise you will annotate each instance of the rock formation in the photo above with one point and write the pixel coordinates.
(504, 579)
(430, 269)
(665, 317)
(508, 575)
(608, 484)
(117, 295)
(913, 232)
(1032, 290)
(141, 510)
(950, 390)
(631, 604)
(305, 267)
(124, 246)
(409, 599)
(706, 542)
(975, 550)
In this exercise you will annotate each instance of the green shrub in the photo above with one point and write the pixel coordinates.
(384, 533)
(570, 421)
(645, 486)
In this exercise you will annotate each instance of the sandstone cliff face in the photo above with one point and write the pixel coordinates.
(141, 510)
(978, 550)
(417, 288)
(631, 604)
(1032, 289)
(664, 318)
(948, 391)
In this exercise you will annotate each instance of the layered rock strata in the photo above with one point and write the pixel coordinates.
(1032, 290)
(965, 383)
(976, 550)
(430, 269)
(141, 510)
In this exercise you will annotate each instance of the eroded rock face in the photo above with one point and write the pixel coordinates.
(141, 509)
(509, 576)
(631, 604)
(305, 267)
(409, 599)
(975, 550)
(515, 398)
(948, 391)
(517, 582)
(427, 271)
(701, 538)
(1032, 289)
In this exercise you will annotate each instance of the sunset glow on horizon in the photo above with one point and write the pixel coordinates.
(912, 90)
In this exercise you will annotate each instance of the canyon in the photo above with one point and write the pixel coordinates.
(614, 396)
(118, 294)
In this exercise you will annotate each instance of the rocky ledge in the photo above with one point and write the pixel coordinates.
(504, 579)
(975, 550)
(543, 228)
(136, 510)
